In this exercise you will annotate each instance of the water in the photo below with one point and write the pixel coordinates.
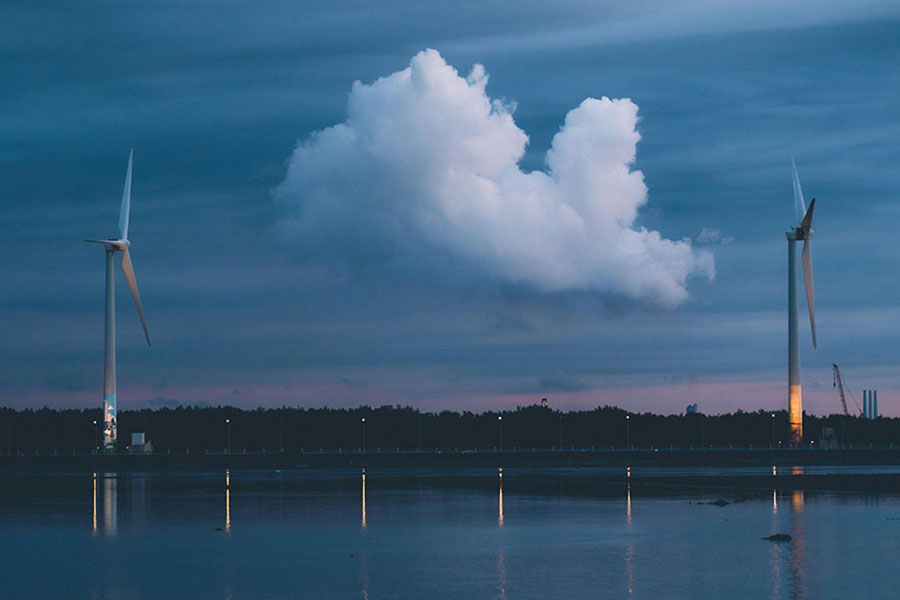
(432, 534)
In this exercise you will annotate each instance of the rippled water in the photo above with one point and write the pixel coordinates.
(466, 534)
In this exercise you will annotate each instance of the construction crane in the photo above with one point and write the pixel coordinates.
(839, 384)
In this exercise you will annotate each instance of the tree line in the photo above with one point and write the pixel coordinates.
(217, 429)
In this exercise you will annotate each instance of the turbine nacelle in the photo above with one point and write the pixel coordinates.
(117, 245)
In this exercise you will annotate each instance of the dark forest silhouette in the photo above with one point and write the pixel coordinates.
(388, 428)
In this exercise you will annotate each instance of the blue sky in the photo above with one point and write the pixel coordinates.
(243, 309)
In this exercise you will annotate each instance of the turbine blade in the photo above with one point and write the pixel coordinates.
(806, 223)
(799, 204)
(126, 201)
(128, 269)
(808, 281)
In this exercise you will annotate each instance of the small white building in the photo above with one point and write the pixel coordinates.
(139, 443)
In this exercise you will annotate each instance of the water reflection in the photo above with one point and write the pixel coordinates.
(629, 549)
(629, 568)
(363, 498)
(364, 577)
(228, 500)
(797, 548)
(788, 561)
(138, 500)
(777, 558)
(95, 503)
(628, 504)
(501, 574)
(571, 544)
(110, 502)
(500, 513)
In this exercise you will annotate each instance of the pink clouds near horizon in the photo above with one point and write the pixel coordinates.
(713, 397)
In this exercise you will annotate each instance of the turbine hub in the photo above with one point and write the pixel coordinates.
(114, 245)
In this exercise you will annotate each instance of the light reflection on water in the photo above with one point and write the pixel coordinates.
(364, 578)
(501, 574)
(500, 508)
(434, 538)
(797, 543)
(629, 548)
(791, 554)
(110, 504)
(228, 500)
(95, 503)
(628, 504)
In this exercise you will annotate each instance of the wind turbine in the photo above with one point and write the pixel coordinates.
(114, 246)
(802, 231)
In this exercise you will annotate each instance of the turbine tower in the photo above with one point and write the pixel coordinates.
(114, 246)
(803, 231)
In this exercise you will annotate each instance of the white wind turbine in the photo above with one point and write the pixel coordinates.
(113, 246)
(803, 231)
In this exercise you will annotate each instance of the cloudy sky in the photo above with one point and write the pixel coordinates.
(449, 204)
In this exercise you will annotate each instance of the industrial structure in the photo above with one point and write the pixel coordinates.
(801, 232)
(870, 404)
(839, 384)
(113, 246)
(869, 408)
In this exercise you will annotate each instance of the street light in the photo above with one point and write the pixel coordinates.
(628, 432)
(500, 421)
(364, 434)
(774, 431)
(94, 443)
(228, 428)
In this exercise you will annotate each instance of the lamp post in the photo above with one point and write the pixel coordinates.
(774, 431)
(628, 432)
(500, 422)
(363, 420)
(228, 430)
(94, 442)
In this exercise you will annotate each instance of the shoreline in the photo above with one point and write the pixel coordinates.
(459, 459)
(735, 473)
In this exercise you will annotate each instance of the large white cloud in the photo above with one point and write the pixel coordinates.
(427, 164)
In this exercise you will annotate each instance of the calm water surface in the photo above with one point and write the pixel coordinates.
(438, 534)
